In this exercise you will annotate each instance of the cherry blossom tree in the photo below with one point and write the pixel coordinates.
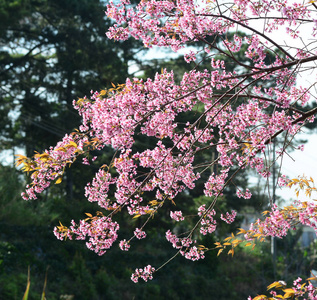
(239, 114)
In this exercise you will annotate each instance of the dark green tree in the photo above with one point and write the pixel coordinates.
(53, 52)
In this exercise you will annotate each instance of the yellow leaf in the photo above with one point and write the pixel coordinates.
(89, 215)
(289, 291)
(20, 158)
(202, 247)
(72, 143)
(247, 244)
(242, 231)
(220, 250)
(136, 216)
(41, 155)
(26, 168)
(218, 245)
(275, 284)
(61, 149)
(113, 84)
(59, 180)
(260, 297)
(312, 278)
(288, 295)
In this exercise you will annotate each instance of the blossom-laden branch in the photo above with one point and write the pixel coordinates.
(277, 224)
(278, 220)
(239, 112)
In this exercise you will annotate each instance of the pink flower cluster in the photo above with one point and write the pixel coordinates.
(283, 180)
(100, 231)
(145, 274)
(207, 223)
(177, 215)
(308, 291)
(280, 221)
(50, 165)
(140, 234)
(246, 195)
(274, 225)
(185, 246)
(229, 218)
(124, 245)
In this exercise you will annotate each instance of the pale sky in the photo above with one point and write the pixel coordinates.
(302, 163)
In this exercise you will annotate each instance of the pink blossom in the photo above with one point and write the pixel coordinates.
(229, 218)
(140, 234)
(146, 274)
(124, 245)
(177, 215)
